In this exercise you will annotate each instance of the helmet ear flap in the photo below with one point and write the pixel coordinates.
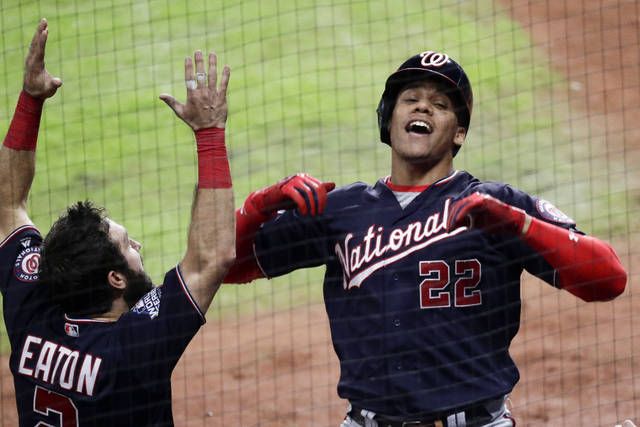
(384, 116)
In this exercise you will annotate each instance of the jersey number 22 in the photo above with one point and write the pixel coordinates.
(439, 289)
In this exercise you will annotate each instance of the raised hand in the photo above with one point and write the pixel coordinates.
(37, 80)
(206, 105)
(301, 191)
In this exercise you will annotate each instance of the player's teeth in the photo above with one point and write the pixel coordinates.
(419, 125)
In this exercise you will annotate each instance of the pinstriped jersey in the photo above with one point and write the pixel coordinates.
(421, 318)
(78, 371)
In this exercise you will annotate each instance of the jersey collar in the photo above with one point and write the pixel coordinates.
(86, 319)
(417, 188)
(404, 188)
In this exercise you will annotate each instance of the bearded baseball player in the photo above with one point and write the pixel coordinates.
(92, 342)
(422, 282)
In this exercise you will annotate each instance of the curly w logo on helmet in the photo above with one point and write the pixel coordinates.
(433, 59)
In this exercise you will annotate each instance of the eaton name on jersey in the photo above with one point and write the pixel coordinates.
(53, 363)
(360, 259)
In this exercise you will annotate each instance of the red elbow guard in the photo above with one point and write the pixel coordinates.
(585, 266)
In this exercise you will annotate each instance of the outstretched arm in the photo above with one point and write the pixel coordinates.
(17, 154)
(211, 240)
(300, 191)
(585, 266)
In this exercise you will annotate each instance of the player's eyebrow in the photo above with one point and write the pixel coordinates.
(410, 90)
(441, 96)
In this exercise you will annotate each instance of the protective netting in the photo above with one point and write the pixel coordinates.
(556, 114)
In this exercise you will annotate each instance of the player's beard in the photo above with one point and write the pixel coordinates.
(138, 284)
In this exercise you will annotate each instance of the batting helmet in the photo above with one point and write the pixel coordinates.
(425, 65)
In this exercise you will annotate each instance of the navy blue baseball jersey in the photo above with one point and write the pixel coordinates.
(421, 318)
(78, 371)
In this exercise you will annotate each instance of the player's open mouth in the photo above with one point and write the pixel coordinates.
(419, 126)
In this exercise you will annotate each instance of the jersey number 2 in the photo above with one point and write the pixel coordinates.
(433, 289)
(50, 403)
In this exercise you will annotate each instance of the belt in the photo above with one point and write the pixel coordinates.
(356, 415)
(473, 415)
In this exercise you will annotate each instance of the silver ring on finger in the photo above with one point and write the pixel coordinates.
(201, 77)
(190, 84)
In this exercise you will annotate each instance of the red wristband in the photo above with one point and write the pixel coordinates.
(213, 165)
(23, 131)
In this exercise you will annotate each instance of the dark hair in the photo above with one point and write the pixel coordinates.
(77, 256)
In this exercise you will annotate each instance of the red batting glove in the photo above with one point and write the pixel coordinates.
(584, 266)
(488, 213)
(300, 191)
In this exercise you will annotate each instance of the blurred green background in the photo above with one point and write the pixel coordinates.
(306, 79)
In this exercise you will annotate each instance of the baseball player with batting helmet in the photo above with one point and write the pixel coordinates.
(92, 342)
(422, 282)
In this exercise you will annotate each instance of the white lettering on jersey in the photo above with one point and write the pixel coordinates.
(64, 361)
(88, 375)
(45, 360)
(361, 260)
(63, 353)
(68, 371)
(26, 355)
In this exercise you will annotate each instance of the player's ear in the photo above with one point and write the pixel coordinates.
(117, 280)
(459, 137)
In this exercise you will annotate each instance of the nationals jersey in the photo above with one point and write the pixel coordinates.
(421, 318)
(82, 372)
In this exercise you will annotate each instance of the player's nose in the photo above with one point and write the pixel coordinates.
(423, 106)
(136, 245)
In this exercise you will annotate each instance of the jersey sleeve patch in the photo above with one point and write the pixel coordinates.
(551, 213)
(149, 304)
(27, 264)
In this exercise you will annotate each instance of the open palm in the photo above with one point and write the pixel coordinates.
(37, 80)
